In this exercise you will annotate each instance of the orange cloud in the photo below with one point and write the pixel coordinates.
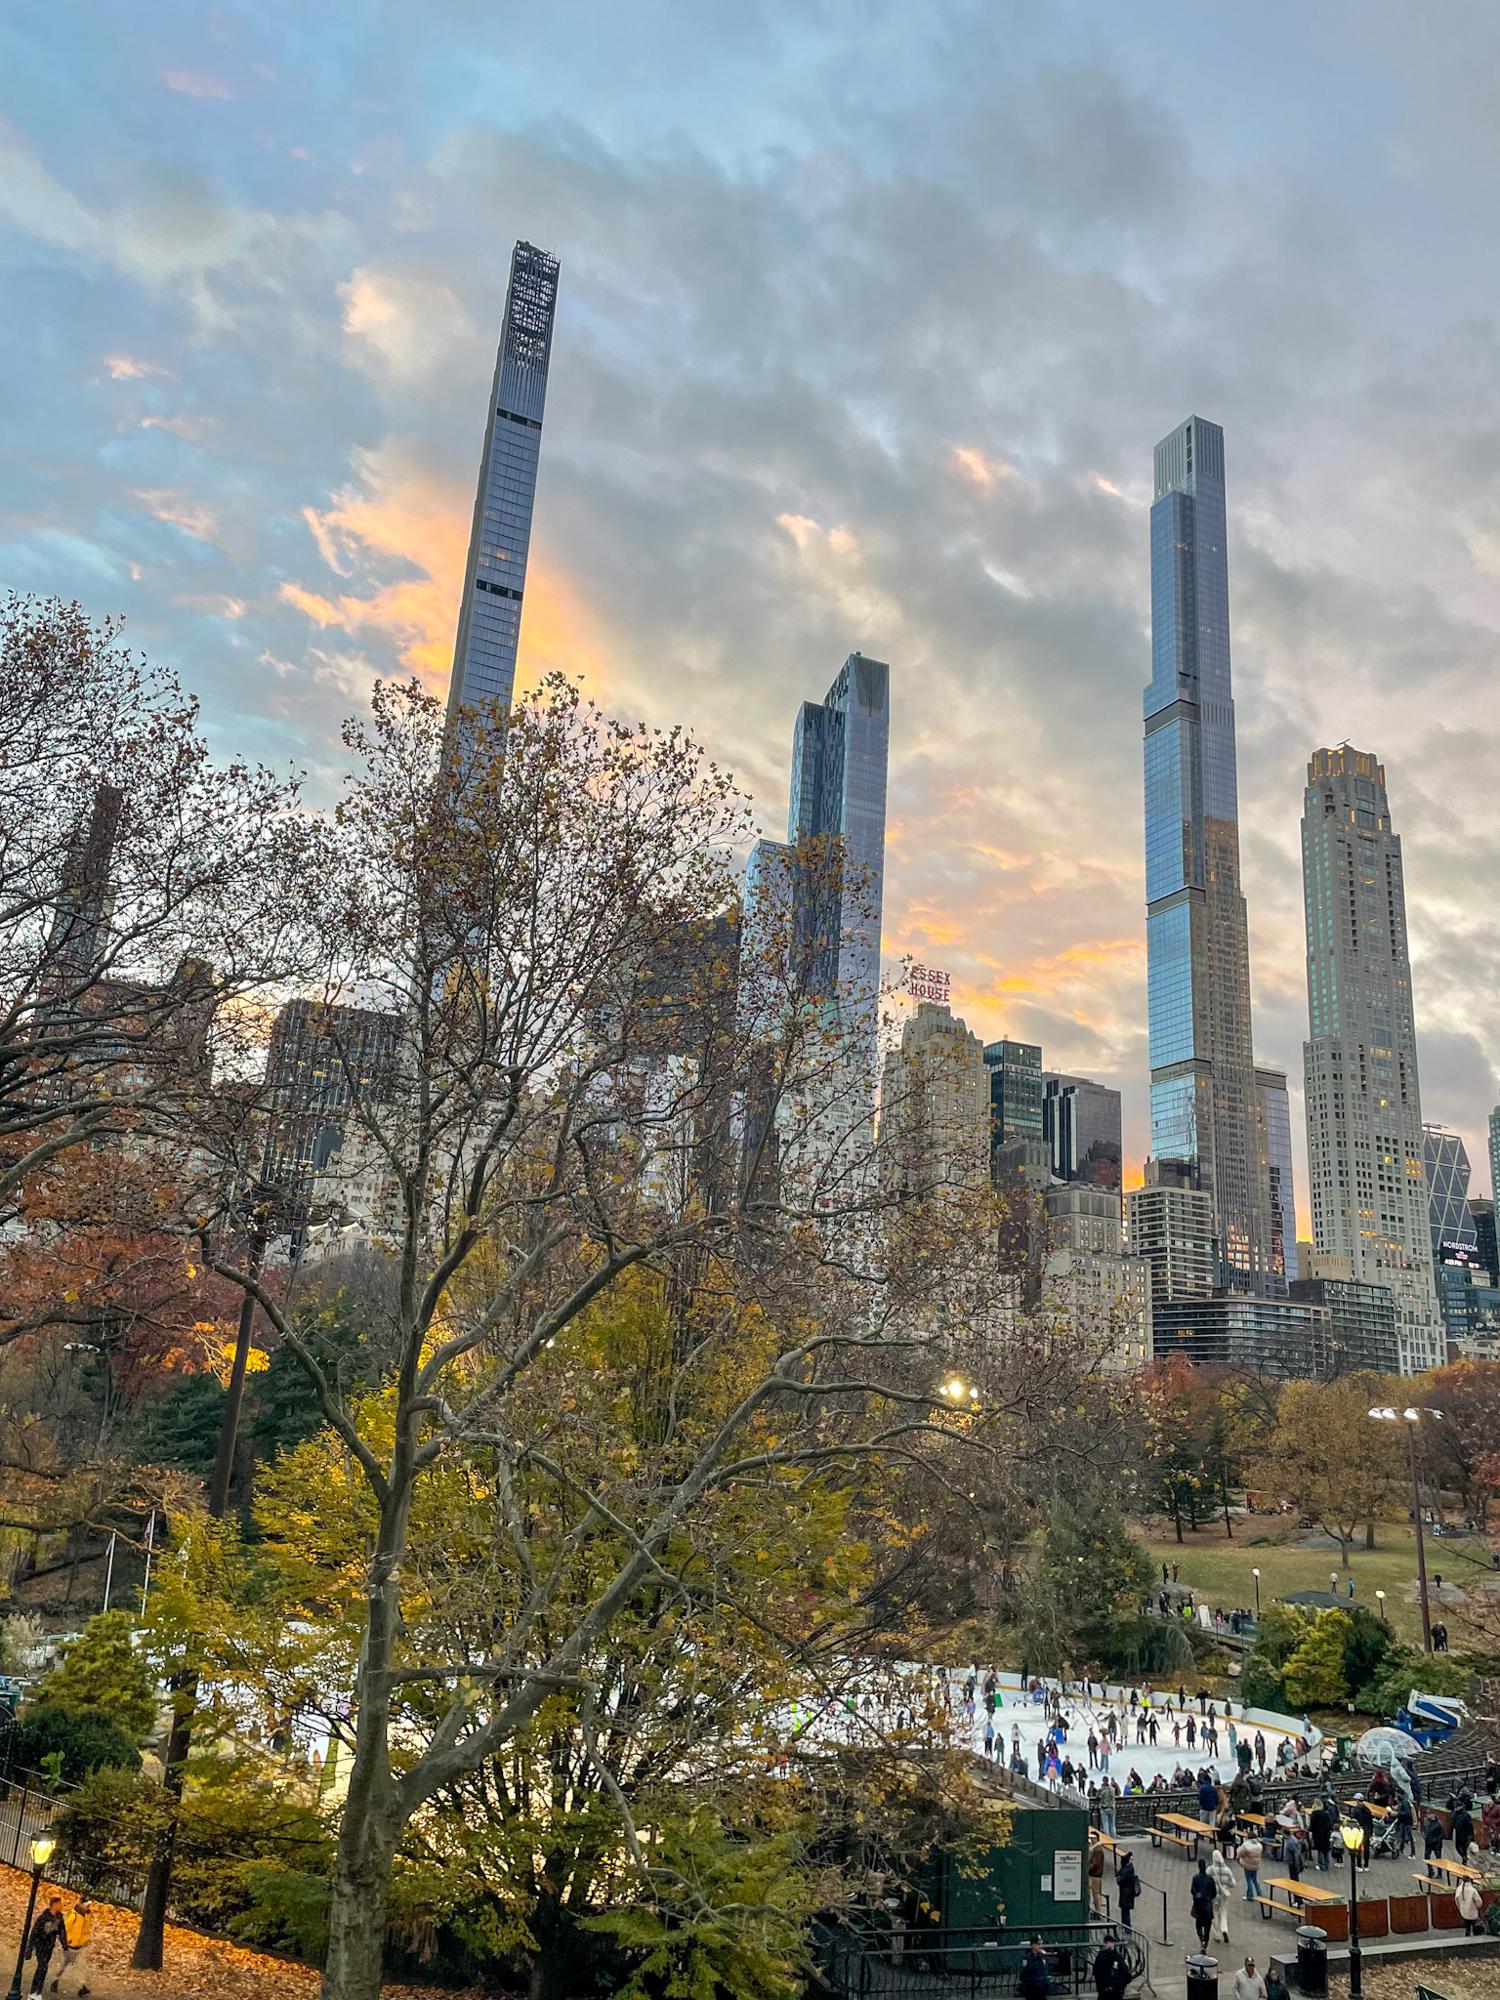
(970, 463)
(178, 510)
(193, 83)
(401, 515)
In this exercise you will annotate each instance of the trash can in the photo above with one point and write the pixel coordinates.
(1312, 1959)
(1202, 1977)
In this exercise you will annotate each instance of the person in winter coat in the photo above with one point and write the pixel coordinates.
(1128, 1888)
(1111, 1973)
(77, 1926)
(1366, 1821)
(1223, 1876)
(1462, 1828)
(1320, 1832)
(46, 1935)
(1432, 1837)
(1096, 1877)
(1251, 1851)
(1203, 1892)
(1293, 1854)
(1470, 1906)
(1034, 1981)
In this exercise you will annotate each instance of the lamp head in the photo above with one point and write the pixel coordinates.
(1353, 1836)
(42, 1850)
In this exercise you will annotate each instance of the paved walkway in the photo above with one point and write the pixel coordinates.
(1168, 1869)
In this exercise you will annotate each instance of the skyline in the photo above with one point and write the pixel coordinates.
(819, 386)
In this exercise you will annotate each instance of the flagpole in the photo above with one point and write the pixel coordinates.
(109, 1568)
(150, 1544)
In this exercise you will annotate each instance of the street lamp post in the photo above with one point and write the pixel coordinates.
(1380, 1601)
(1354, 1840)
(1256, 1574)
(41, 1853)
(1411, 1418)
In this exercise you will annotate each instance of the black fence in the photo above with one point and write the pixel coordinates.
(972, 1964)
(1142, 1809)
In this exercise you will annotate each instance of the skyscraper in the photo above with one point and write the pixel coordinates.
(840, 749)
(1081, 1124)
(322, 1059)
(489, 618)
(1205, 1108)
(935, 1106)
(1276, 1126)
(1367, 1177)
(1018, 1146)
(1495, 1156)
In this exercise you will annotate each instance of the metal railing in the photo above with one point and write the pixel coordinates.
(1139, 1812)
(973, 1964)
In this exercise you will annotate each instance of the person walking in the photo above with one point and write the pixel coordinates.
(1127, 1888)
(46, 1935)
(1461, 1826)
(1096, 1876)
(1470, 1906)
(1260, 1751)
(1251, 1851)
(1432, 1838)
(77, 1925)
(1093, 1742)
(1405, 1839)
(1223, 1876)
(1107, 1798)
(1293, 1853)
(1248, 1984)
(1203, 1895)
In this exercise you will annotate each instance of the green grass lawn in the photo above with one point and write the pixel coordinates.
(1219, 1570)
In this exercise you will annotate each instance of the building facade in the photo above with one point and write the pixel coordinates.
(934, 1133)
(1482, 1215)
(322, 1059)
(1170, 1227)
(489, 619)
(1361, 1323)
(1366, 1171)
(1091, 1288)
(1018, 1144)
(1276, 1128)
(1205, 1108)
(1285, 1337)
(840, 753)
(1081, 1124)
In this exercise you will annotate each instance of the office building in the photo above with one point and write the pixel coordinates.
(1446, 1160)
(1018, 1145)
(322, 1059)
(1494, 1135)
(935, 1106)
(1169, 1225)
(489, 618)
(1361, 1323)
(1482, 1215)
(1205, 1108)
(1091, 1289)
(1276, 1131)
(840, 751)
(1367, 1177)
(1081, 1124)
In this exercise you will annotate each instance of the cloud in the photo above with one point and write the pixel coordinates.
(405, 327)
(128, 368)
(195, 83)
(180, 510)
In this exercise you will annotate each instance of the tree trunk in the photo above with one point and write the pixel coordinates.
(361, 1887)
(1177, 1518)
(1369, 1534)
(1346, 1549)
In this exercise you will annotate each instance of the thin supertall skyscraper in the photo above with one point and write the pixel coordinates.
(1366, 1172)
(1206, 1110)
(840, 750)
(489, 618)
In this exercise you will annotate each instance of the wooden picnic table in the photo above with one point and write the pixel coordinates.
(1187, 1823)
(1460, 1870)
(1252, 1819)
(1304, 1892)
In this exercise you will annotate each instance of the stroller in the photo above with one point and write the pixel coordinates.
(1386, 1843)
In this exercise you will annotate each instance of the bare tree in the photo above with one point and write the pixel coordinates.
(606, 1072)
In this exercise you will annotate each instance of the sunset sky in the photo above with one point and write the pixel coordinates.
(870, 316)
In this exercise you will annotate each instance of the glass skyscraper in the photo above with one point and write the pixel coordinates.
(1365, 1153)
(1205, 1107)
(840, 750)
(489, 619)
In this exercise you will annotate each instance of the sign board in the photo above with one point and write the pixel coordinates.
(926, 982)
(1067, 1876)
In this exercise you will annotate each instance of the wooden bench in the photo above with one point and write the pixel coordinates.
(1270, 1903)
(1188, 1842)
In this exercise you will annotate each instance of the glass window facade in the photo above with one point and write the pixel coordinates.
(489, 622)
(1205, 1110)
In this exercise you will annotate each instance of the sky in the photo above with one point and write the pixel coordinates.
(870, 316)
